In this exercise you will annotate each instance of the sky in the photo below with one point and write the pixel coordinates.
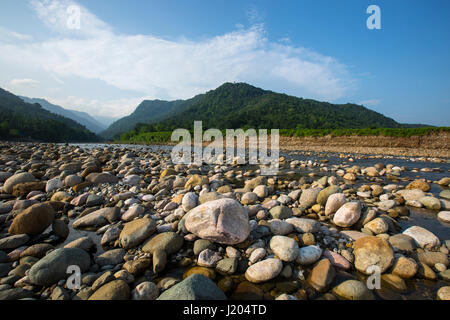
(123, 52)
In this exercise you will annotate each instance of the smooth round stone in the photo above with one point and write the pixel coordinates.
(17, 179)
(445, 194)
(145, 291)
(167, 241)
(114, 290)
(394, 282)
(324, 194)
(136, 231)
(337, 260)
(431, 203)
(280, 227)
(257, 255)
(322, 275)
(372, 251)
(14, 241)
(249, 198)
(195, 287)
(308, 255)
(444, 293)
(377, 226)
(348, 214)
(53, 184)
(33, 220)
(264, 270)
(208, 258)
(422, 236)
(334, 202)
(189, 201)
(281, 212)
(133, 212)
(403, 242)
(444, 216)
(303, 225)
(405, 267)
(386, 205)
(284, 248)
(308, 197)
(261, 191)
(353, 290)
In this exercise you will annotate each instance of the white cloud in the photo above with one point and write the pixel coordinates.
(24, 82)
(370, 102)
(7, 35)
(159, 68)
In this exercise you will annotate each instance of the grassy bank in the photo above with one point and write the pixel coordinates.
(164, 137)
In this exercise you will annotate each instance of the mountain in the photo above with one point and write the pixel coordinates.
(106, 121)
(20, 120)
(149, 111)
(240, 105)
(82, 118)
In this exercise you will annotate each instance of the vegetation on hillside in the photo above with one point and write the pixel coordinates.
(30, 122)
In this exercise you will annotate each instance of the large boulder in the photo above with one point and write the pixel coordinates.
(223, 221)
(195, 287)
(53, 267)
(33, 220)
(372, 251)
(16, 179)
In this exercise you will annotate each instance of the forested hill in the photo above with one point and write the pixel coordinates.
(30, 122)
(240, 105)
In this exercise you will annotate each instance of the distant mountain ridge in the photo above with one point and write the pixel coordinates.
(82, 118)
(20, 120)
(240, 105)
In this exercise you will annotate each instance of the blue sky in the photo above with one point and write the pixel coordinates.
(126, 51)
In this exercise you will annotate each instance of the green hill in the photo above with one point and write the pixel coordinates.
(240, 105)
(30, 122)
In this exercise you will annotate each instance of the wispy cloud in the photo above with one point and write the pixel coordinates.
(158, 68)
(24, 82)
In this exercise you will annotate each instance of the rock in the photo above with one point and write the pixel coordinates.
(353, 290)
(370, 251)
(322, 275)
(15, 294)
(17, 179)
(426, 272)
(5, 268)
(394, 281)
(405, 267)
(348, 214)
(285, 248)
(423, 237)
(303, 225)
(167, 173)
(323, 195)
(432, 258)
(411, 195)
(189, 201)
(94, 200)
(84, 243)
(195, 287)
(98, 218)
(403, 242)
(167, 241)
(133, 212)
(257, 255)
(261, 191)
(135, 232)
(33, 220)
(53, 184)
(249, 198)
(60, 228)
(200, 245)
(444, 293)
(13, 242)
(337, 260)
(110, 257)
(418, 184)
(37, 250)
(280, 227)
(159, 261)
(61, 196)
(377, 226)
(23, 189)
(308, 255)
(264, 270)
(145, 291)
(72, 180)
(207, 272)
(227, 266)
(444, 216)
(195, 180)
(223, 221)
(308, 197)
(334, 202)
(431, 203)
(281, 212)
(132, 180)
(111, 235)
(53, 267)
(103, 177)
(106, 277)
(208, 258)
(247, 291)
(60, 294)
(349, 176)
(137, 267)
(386, 205)
(445, 194)
(114, 290)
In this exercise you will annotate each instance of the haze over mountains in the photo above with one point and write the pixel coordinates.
(232, 105)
